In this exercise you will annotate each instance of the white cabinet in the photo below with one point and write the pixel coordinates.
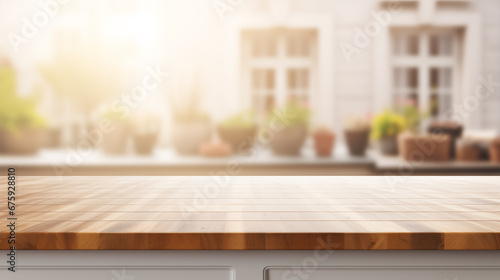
(120, 273)
(254, 265)
(381, 273)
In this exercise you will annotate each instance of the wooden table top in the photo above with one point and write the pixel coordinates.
(246, 213)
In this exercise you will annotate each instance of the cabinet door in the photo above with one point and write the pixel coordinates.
(118, 273)
(381, 273)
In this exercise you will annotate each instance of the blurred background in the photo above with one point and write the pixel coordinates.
(271, 87)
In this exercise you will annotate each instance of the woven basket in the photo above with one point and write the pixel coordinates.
(467, 151)
(419, 148)
(450, 128)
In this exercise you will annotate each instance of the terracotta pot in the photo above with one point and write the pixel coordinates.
(144, 143)
(324, 141)
(418, 148)
(389, 146)
(54, 137)
(357, 141)
(241, 139)
(215, 149)
(25, 141)
(189, 135)
(115, 142)
(453, 129)
(289, 141)
(467, 151)
(495, 151)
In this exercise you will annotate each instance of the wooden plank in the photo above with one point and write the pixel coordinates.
(246, 213)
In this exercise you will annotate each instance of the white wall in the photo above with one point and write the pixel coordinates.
(490, 59)
(353, 82)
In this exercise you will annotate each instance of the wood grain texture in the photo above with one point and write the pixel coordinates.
(256, 213)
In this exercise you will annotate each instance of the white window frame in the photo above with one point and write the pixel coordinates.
(322, 100)
(279, 65)
(470, 58)
(424, 62)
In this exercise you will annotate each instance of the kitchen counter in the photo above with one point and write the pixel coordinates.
(256, 213)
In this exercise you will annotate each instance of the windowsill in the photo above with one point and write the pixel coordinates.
(167, 162)
(398, 164)
(168, 157)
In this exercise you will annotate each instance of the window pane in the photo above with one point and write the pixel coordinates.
(412, 45)
(434, 45)
(441, 45)
(270, 79)
(292, 79)
(396, 45)
(282, 51)
(412, 78)
(405, 78)
(270, 103)
(445, 81)
(398, 77)
(446, 45)
(298, 79)
(291, 47)
(263, 45)
(440, 84)
(256, 79)
(263, 79)
(444, 104)
(434, 105)
(263, 104)
(298, 43)
(434, 78)
(440, 104)
(305, 78)
(406, 86)
(440, 78)
(405, 45)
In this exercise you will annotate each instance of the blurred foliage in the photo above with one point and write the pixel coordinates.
(146, 122)
(245, 119)
(356, 123)
(17, 112)
(387, 124)
(115, 115)
(87, 77)
(412, 116)
(293, 114)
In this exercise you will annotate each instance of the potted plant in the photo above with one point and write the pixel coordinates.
(191, 127)
(324, 140)
(115, 142)
(291, 133)
(385, 129)
(22, 129)
(453, 129)
(239, 131)
(357, 132)
(420, 148)
(416, 147)
(495, 150)
(54, 137)
(215, 149)
(145, 131)
(467, 150)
